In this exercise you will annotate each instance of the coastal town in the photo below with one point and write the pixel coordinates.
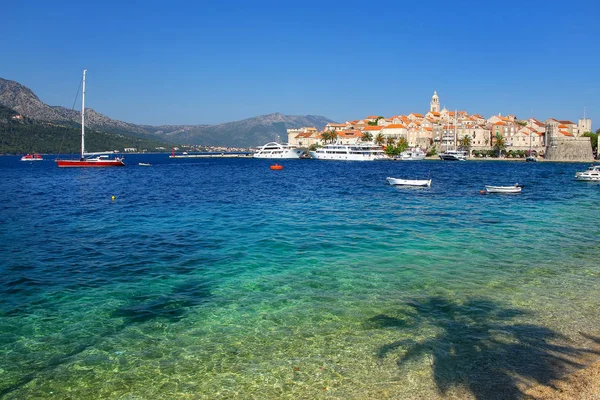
(439, 130)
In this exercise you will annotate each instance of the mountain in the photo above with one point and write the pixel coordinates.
(249, 132)
(22, 99)
(25, 135)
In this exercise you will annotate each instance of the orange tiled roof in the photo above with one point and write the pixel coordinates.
(372, 128)
(391, 126)
(372, 117)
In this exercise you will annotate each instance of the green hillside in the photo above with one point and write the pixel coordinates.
(26, 136)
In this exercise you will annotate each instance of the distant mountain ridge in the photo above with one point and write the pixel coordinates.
(249, 132)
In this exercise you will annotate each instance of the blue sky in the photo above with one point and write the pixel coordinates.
(153, 62)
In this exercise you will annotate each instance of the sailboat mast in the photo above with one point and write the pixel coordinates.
(83, 116)
(455, 137)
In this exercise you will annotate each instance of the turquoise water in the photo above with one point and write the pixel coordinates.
(219, 279)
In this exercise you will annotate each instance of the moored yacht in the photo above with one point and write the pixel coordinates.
(349, 152)
(454, 155)
(412, 154)
(278, 150)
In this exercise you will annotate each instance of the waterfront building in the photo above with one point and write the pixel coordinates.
(303, 137)
(395, 131)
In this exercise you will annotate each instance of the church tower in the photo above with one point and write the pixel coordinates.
(435, 103)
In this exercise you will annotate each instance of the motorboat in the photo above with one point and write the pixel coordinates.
(413, 154)
(454, 155)
(144, 164)
(409, 182)
(531, 159)
(590, 174)
(32, 157)
(516, 188)
(274, 150)
(276, 167)
(349, 152)
(98, 159)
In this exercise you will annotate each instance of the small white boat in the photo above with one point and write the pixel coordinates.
(32, 157)
(409, 182)
(143, 164)
(590, 174)
(516, 188)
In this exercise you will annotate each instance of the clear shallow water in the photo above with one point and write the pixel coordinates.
(224, 279)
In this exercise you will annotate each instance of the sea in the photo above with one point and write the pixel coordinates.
(224, 279)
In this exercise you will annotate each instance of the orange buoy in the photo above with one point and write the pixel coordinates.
(276, 166)
(482, 191)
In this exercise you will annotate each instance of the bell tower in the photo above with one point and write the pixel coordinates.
(434, 106)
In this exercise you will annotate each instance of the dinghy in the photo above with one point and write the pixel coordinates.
(516, 188)
(409, 182)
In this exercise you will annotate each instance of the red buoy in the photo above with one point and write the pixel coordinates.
(276, 166)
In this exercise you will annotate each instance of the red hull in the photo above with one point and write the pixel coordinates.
(89, 163)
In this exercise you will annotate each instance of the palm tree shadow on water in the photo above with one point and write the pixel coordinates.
(481, 347)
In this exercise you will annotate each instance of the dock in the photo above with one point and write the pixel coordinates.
(213, 155)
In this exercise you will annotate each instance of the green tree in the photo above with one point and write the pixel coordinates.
(390, 141)
(594, 139)
(379, 139)
(374, 123)
(326, 136)
(432, 152)
(499, 144)
(333, 136)
(367, 137)
(402, 145)
(465, 143)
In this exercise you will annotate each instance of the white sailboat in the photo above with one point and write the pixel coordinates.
(454, 155)
(530, 157)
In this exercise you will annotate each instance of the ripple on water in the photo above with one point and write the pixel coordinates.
(220, 279)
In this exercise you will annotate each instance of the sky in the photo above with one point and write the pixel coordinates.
(207, 62)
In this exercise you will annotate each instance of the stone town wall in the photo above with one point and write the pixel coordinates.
(569, 149)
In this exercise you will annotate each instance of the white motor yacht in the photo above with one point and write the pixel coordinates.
(454, 155)
(274, 150)
(412, 154)
(350, 152)
(590, 174)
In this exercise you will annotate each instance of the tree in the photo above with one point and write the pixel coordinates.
(325, 136)
(465, 143)
(333, 136)
(379, 139)
(374, 123)
(402, 145)
(593, 139)
(390, 141)
(499, 144)
(367, 137)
